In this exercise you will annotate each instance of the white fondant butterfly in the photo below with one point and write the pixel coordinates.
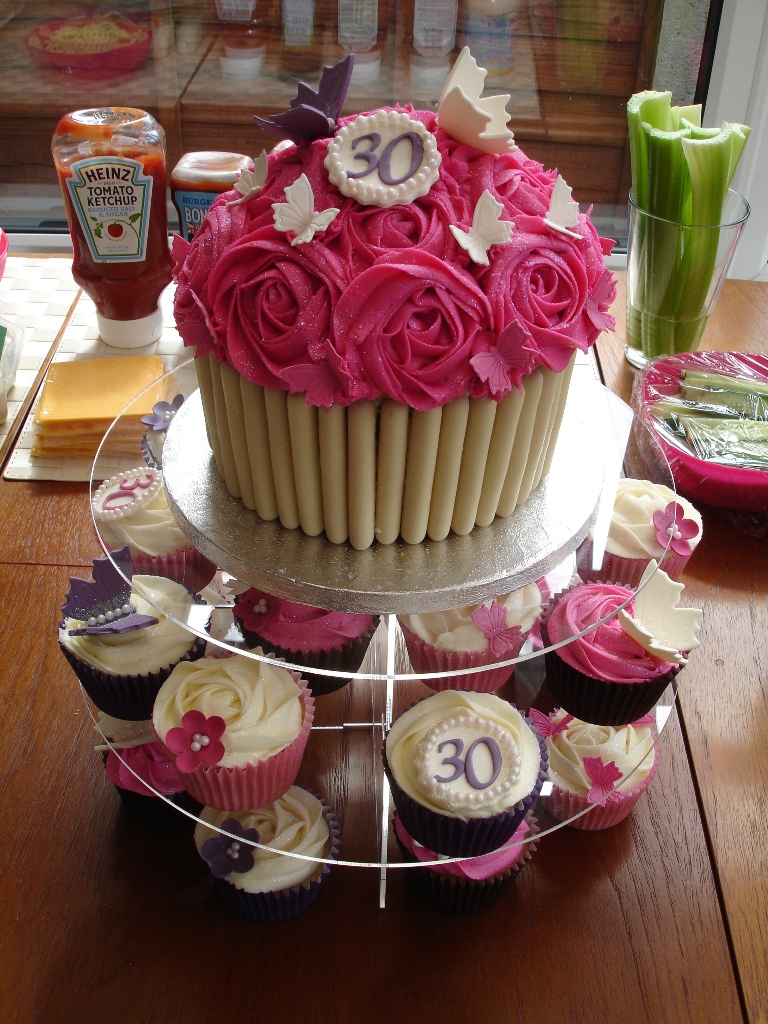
(250, 183)
(658, 625)
(466, 117)
(486, 230)
(563, 212)
(299, 215)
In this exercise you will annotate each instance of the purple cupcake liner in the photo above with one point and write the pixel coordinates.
(127, 697)
(463, 895)
(156, 813)
(348, 658)
(152, 458)
(273, 907)
(595, 700)
(468, 837)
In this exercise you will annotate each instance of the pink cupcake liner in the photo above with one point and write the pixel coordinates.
(426, 658)
(186, 566)
(273, 907)
(467, 837)
(259, 783)
(595, 700)
(128, 697)
(347, 658)
(463, 895)
(626, 572)
(563, 805)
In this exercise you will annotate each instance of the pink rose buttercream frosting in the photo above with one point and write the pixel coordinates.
(150, 761)
(298, 627)
(606, 653)
(385, 302)
(475, 868)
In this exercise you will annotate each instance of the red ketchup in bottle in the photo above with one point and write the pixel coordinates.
(111, 167)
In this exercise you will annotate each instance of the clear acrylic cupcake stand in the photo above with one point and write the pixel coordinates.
(343, 761)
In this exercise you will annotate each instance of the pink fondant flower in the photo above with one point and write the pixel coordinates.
(507, 362)
(604, 775)
(599, 301)
(546, 726)
(673, 529)
(493, 622)
(197, 741)
(412, 321)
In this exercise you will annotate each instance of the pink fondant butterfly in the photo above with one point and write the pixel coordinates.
(493, 622)
(506, 362)
(546, 726)
(604, 775)
(599, 300)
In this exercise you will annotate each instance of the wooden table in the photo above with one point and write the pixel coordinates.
(662, 918)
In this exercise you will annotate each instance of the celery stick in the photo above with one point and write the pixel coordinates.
(699, 379)
(668, 186)
(653, 108)
(745, 405)
(728, 442)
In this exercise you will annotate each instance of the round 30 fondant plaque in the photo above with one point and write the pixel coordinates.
(383, 159)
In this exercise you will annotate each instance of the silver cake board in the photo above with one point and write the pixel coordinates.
(400, 578)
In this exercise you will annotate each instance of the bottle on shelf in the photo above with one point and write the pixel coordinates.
(488, 27)
(434, 27)
(111, 167)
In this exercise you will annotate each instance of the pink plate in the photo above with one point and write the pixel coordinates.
(710, 482)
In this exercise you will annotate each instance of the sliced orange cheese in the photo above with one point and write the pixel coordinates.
(88, 394)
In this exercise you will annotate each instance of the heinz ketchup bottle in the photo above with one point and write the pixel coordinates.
(111, 167)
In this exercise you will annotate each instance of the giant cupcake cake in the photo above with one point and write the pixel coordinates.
(385, 315)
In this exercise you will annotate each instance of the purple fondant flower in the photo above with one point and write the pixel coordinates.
(227, 854)
(546, 726)
(673, 529)
(197, 741)
(162, 413)
(493, 622)
(604, 775)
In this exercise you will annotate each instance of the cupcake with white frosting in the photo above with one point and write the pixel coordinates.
(262, 883)
(648, 521)
(464, 770)
(238, 728)
(118, 641)
(132, 508)
(476, 635)
(601, 768)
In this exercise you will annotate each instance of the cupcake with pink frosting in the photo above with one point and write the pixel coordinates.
(144, 775)
(602, 769)
(462, 638)
(467, 886)
(303, 635)
(632, 648)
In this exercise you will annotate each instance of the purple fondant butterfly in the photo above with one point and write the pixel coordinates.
(104, 603)
(313, 114)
